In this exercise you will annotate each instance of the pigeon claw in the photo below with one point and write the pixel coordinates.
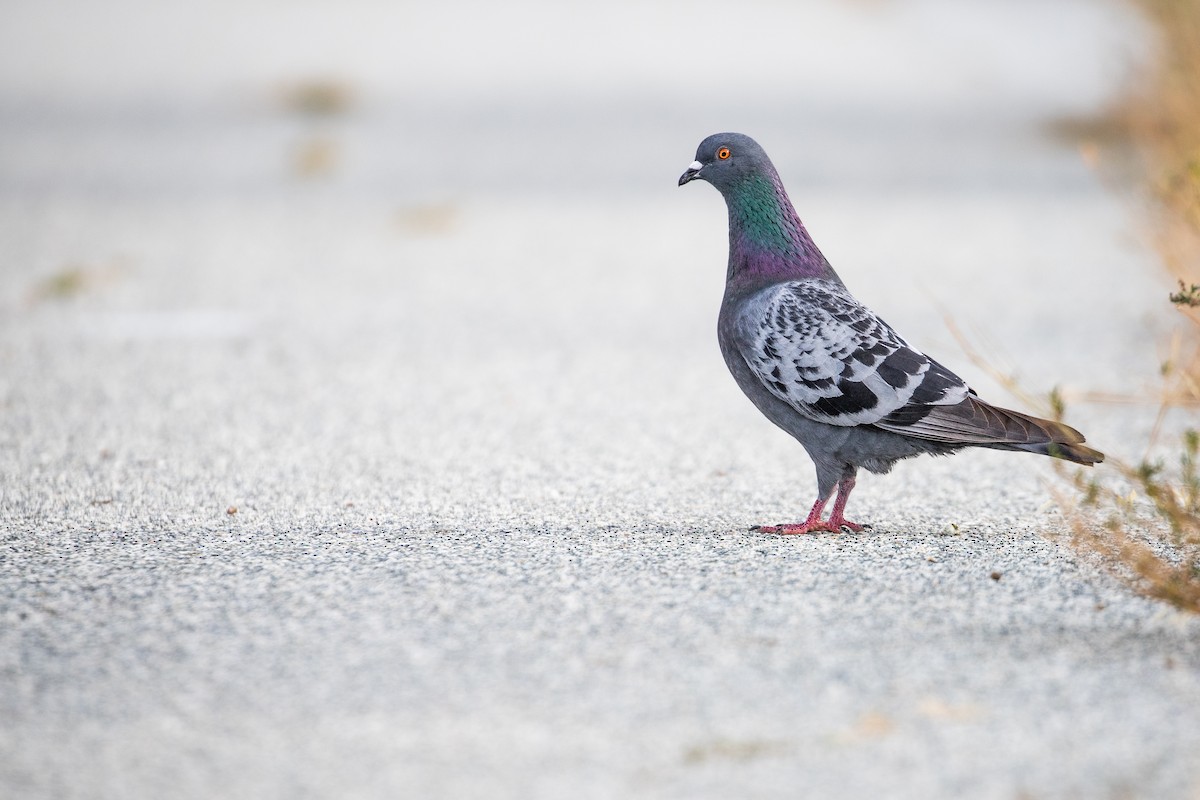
(792, 529)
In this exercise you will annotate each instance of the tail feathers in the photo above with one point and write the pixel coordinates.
(974, 422)
(1079, 453)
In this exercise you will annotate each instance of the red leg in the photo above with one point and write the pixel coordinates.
(813, 523)
(836, 519)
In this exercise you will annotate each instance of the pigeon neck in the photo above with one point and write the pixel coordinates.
(767, 241)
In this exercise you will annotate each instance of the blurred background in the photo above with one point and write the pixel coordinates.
(429, 206)
(359, 392)
(420, 104)
(464, 189)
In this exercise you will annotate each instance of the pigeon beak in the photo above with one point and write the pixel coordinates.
(691, 173)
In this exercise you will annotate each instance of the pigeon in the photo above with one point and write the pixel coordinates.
(824, 367)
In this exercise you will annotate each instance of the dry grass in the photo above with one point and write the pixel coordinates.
(76, 279)
(1143, 519)
(314, 157)
(319, 103)
(1164, 121)
(1145, 526)
(428, 220)
(317, 97)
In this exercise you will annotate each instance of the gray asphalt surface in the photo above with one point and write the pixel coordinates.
(421, 476)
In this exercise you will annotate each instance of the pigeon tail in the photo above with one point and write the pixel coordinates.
(1079, 453)
(974, 422)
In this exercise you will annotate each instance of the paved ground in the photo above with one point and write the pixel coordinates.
(451, 357)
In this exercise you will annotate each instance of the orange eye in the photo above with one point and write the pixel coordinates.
(723, 153)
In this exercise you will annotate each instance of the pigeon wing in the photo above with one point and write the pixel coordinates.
(831, 359)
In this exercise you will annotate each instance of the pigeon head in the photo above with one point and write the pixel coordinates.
(725, 160)
(767, 241)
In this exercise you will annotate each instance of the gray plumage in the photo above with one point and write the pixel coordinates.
(825, 368)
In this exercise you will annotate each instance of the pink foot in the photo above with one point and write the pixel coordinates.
(796, 527)
(836, 520)
(814, 522)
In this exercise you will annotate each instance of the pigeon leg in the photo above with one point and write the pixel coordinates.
(810, 525)
(836, 519)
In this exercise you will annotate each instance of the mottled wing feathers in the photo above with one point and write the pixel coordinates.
(831, 359)
(818, 349)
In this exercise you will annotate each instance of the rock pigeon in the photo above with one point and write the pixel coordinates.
(826, 369)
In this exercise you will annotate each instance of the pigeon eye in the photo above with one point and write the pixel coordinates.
(723, 153)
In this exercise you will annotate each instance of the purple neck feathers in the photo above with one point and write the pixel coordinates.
(767, 241)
